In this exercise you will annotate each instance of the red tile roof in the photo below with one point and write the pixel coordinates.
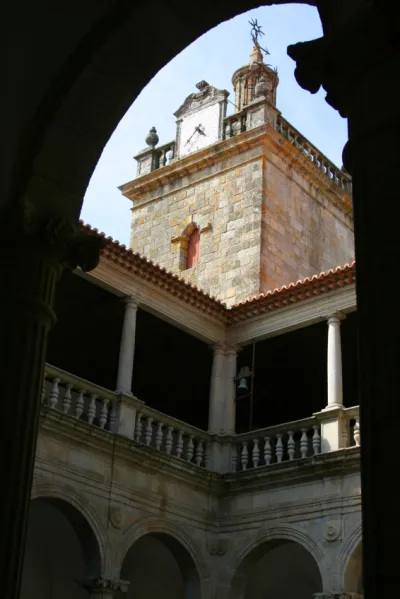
(148, 270)
(293, 293)
(191, 294)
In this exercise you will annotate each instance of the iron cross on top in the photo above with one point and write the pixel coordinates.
(255, 33)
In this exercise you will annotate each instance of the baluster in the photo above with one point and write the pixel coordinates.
(189, 449)
(138, 432)
(234, 457)
(316, 440)
(103, 413)
(159, 435)
(113, 418)
(291, 446)
(256, 453)
(267, 451)
(279, 448)
(206, 455)
(199, 452)
(67, 399)
(80, 402)
(245, 455)
(169, 440)
(356, 432)
(148, 433)
(53, 399)
(91, 413)
(304, 443)
(179, 444)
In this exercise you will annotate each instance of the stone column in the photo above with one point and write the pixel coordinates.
(222, 412)
(105, 588)
(345, 64)
(335, 371)
(33, 251)
(127, 348)
(229, 413)
(216, 404)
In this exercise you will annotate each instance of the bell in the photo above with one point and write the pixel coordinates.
(243, 385)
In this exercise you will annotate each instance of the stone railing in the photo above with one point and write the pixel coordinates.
(234, 124)
(353, 438)
(172, 436)
(78, 398)
(318, 159)
(129, 417)
(164, 154)
(82, 400)
(276, 444)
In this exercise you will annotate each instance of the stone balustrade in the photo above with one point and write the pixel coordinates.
(171, 436)
(276, 444)
(79, 399)
(318, 159)
(234, 124)
(164, 154)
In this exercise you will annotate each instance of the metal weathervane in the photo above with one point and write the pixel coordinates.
(255, 33)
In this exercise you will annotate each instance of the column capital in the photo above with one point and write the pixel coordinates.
(101, 584)
(335, 318)
(131, 301)
(221, 347)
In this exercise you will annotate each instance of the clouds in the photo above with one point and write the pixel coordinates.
(213, 57)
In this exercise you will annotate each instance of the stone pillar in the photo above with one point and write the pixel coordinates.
(105, 588)
(229, 412)
(335, 371)
(33, 251)
(216, 405)
(222, 412)
(127, 348)
(346, 63)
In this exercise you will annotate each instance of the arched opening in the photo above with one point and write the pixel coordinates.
(193, 249)
(353, 578)
(278, 569)
(175, 575)
(61, 552)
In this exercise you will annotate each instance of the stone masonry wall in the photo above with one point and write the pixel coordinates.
(303, 233)
(263, 223)
(224, 201)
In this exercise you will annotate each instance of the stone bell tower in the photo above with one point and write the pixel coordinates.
(240, 204)
(254, 80)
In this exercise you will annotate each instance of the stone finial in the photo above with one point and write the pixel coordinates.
(262, 87)
(152, 138)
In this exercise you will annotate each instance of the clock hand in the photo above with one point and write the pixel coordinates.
(196, 130)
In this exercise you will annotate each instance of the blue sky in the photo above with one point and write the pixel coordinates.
(213, 57)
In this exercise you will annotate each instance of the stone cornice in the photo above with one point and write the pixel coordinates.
(193, 163)
(320, 466)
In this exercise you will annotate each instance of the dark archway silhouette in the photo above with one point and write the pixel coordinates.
(62, 551)
(175, 573)
(277, 569)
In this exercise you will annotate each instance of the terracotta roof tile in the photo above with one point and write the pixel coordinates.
(193, 295)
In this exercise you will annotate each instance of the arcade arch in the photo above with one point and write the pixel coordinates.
(160, 566)
(62, 551)
(353, 575)
(277, 569)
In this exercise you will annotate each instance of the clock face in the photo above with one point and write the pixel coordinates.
(199, 129)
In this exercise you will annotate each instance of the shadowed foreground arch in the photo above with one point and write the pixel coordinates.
(157, 564)
(62, 551)
(276, 567)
